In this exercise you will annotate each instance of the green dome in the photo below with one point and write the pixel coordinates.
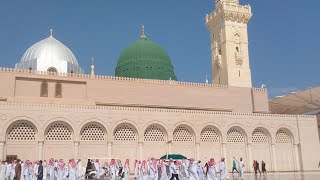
(145, 59)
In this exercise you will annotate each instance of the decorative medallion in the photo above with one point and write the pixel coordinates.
(3, 117)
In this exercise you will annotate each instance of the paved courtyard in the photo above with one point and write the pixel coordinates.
(280, 176)
(274, 176)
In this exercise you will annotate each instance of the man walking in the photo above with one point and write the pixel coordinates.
(18, 170)
(40, 171)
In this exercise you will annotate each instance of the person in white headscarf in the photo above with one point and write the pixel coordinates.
(72, 170)
(79, 169)
(164, 174)
(60, 170)
(136, 169)
(200, 171)
(13, 169)
(212, 171)
(184, 171)
(35, 170)
(26, 170)
(45, 170)
(126, 170)
(223, 169)
(112, 168)
(97, 168)
(8, 171)
(3, 169)
(193, 175)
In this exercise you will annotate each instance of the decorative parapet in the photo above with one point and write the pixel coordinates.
(259, 89)
(230, 12)
(89, 76)
(145, 109)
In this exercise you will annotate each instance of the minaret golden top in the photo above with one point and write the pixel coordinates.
(143, 35)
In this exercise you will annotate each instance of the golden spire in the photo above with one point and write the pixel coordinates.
(51, 32)
(143, 35)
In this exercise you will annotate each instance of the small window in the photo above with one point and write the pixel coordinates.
(44, 89)
(58, 90)
(237, 48)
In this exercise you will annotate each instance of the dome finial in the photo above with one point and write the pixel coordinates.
(51, 32)
(143, 35)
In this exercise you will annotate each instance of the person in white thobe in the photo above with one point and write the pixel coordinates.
(26, 170)
(22, 167)
(164, 174)
(112, 168)
(35, 170)
(126, 170)
(143, 171)
(79, 167)
(51, 169)
(3, 170)
(136, 169)
(200, 171)
(184, 171)
(97, 168)
(212, 171)
(72, 170)
(223, 169)
(13, 170)
(240, 167)
(8, 171)
(193, 175)
(60, 170)
(45, 169)
(152, 171)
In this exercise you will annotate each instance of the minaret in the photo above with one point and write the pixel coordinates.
(229, 43)
(92, 67)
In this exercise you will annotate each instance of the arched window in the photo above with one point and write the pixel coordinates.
(283, 137)
(182, 134)
(208, 134)
(59, 132)
(21, 131)
(259, 136)
(154, 134)
(234, 135)
(58, 92)
(124, 132)
(44, 89)
(92, 132)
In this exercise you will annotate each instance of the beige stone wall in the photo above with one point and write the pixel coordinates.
(231, 134)
(25, 87)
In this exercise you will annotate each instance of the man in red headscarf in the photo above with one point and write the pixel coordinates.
(112, 168)
(72, 170)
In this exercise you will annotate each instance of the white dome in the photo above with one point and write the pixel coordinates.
(49, 53)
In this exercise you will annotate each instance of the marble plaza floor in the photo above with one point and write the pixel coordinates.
(275, 176)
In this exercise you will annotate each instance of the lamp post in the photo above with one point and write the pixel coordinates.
(167, 143)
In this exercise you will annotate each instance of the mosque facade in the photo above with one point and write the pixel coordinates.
(50, 108)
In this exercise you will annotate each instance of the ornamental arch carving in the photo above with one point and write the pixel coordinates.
(93, 131)
(236, 134)
(260, 135)
(125, 132)
(21, 130)
(98, 122)
(284, 136)
(8, 124)
(184, 133)
(59, 131)
(155, 133)
(210, 134)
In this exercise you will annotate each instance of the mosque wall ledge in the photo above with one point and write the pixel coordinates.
(30, 106)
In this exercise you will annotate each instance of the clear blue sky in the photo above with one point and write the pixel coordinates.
(284, 35)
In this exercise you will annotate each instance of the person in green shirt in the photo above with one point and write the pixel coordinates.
(234, 166)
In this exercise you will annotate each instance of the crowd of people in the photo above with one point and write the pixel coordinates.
(151, 169)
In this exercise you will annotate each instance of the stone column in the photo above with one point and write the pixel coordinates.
(170, 147)
(76, 149)
(249, 157)
(274, 156)
(40, 150)
(198, 151)
(224, 149)
(296, 155)
(140, 150)
(2, 150)
(109, 149)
